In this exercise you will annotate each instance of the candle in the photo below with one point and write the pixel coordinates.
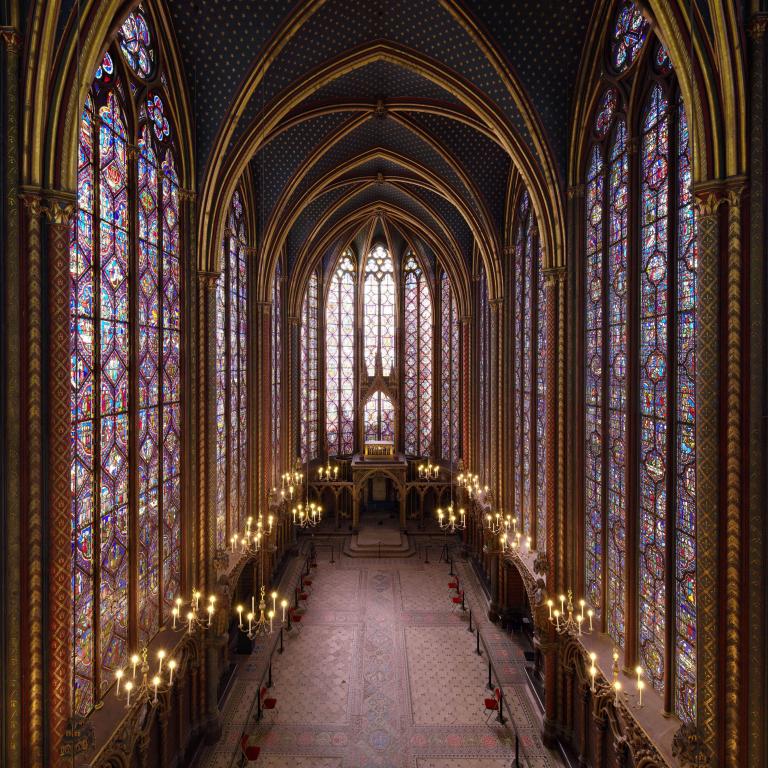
(284, 605)
(592, 673)
(617, 689)
(210, 614)
(250, 621)
(190, 617)
(155, 683)
(579, 619)
(562, 603)
(271, 617)
(590, 614)
(253, 604)
(160, 656)
(549, 605)
(640, 686)
(171, 666)
(582, 603)
(557, 619)
(240, 616)
(128, 687)
(134, 661)
(639, 672)
(118, 677)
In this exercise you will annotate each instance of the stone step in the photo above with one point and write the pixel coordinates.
(368, 547)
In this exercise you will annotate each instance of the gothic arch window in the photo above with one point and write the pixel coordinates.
(379, 311)
(232, 377)
(639, 288)
(340, 354)
(379, 418)
(309, 373)
(529, 382)
(417, 361)
(450, 368)
(127, 396)
(276, 374)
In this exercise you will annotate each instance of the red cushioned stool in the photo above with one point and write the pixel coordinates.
(248, 753)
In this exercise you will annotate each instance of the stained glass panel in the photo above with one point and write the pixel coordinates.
(340, 358)
(379, 418)
(379, 311)
(629, 35)
(685, 512)
(593, 383)
(277, 362)
(540, 361)
(654, 387)
(484, 323)
(616, 339)
(309, 370)
(449, 371)
(136, 45)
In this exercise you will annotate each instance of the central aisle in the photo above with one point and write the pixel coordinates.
(383, 674)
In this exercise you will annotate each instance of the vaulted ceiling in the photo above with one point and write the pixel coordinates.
(422, 107)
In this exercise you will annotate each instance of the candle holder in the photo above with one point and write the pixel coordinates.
(428, 471)
(565, 620)
(193, 618)
(449, 521)
(329, 473)
(145, 689)
(264, 624)
(306, 514)
(254, 538)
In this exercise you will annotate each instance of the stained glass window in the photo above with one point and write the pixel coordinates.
(484, 363)
(231, 377)
(379, 418)
(529, 378)
(340, 356)
(653, 474)
(379, 311)
(449, 371)
(629, 33)
(309, 378)
(277, 362)
(126, 380)
(417, 363)
(136, 44)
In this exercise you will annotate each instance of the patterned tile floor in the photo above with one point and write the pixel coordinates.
(383, 675)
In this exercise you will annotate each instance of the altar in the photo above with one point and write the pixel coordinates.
(368, 468)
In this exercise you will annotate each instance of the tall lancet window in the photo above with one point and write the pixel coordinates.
(231, 378)
(340, 358)
(277, 370)
(126, 382)
(484, 380)
(379, 311)
(417, 369)
(309, 378)
(529, 378)
(450, 367)
(639, 341)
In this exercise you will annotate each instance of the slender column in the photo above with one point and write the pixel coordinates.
(32, 492)
(548, 647)
(294, 390)
(466, 383)
(554, 542)
(734, 470)
(708, 199)
(508, 351)
(11, 600)
(59, 468)
(262, 377)
(758, 404)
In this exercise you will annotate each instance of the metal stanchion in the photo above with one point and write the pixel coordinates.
(477, 647)
(269, 679)
(280, 649)
(490, 679)
(469, 628)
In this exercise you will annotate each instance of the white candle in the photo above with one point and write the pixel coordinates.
(210, 614)
(175, 612)
(160, 656)
(128, 687)
(134, 661)
(283, 604)
(582, 603)
(579, 619)
(118, 676)
(557, 619)
(562, 603)
(640, 686)
(590, 614)
(549, 605)
(155, 683)
(190, 617)
(592, 673)
(617, 689)
(240, 616)
(250, 621)
(271, 617)
(274, 599)
(253, 604)
(171, 666)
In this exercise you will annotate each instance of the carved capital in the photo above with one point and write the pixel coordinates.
(735, 187)
(757, 26)
(688, 747)
(553, 276)
(12, 40)
(208, 279)
(187, 195)
(509, 251)
(708, 197)
(132, 151)
(575, 192)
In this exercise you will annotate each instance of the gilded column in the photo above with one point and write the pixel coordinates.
(734, 469)
(495, 411)
(508, 416)
(33, 485)
(11, 338)
(294, 390)
(555, 545)
(58, 213)
(758, 405)
(263, 429)
(708, 200)
(467, 446)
